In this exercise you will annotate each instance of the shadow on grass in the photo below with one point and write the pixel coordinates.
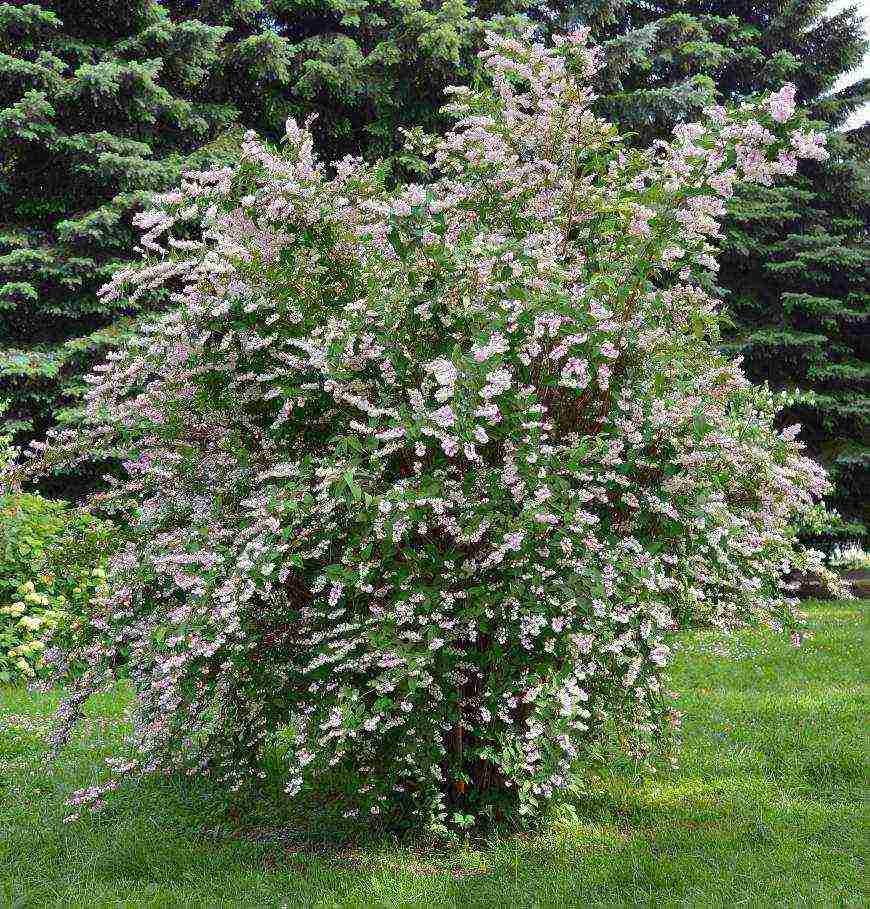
(765, 809)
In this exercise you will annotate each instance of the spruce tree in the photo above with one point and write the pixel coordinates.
(100, 105)
(796, 264)
(795, 260)
(366, 69)
(99, 109)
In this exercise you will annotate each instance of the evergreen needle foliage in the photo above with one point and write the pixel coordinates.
(101, 104)
(101, 110)
(366, 68)
(104, 104)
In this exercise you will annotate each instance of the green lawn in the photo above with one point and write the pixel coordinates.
(768, 808)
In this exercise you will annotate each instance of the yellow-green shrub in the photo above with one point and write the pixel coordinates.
(51, 557)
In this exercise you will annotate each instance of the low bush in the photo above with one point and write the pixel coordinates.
(52, 564)
(422, 480)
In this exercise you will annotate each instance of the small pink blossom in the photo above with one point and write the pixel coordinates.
(782, 103)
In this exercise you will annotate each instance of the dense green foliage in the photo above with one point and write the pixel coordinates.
(797, 265)
(98, 111)
(90, 126)
(421, 479)
(51, 566)
(364, 68)
(99, 105)
(765, 809)
(669, 58)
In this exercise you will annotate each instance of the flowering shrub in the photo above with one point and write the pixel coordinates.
(422, 481)
(51, 566)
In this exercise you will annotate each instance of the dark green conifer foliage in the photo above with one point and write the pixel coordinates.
(797, 267)
(100, 105)
(366, 68)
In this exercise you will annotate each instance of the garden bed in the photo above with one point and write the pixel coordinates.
(860, 581)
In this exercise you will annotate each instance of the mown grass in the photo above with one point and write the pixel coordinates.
(768, 808)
